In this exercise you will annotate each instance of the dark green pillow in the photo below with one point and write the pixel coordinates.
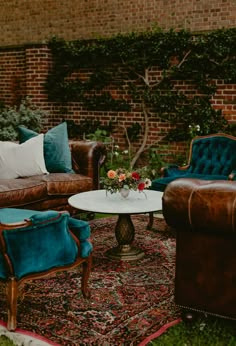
(57, 153)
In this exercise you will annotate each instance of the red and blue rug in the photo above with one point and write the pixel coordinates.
(130, 301)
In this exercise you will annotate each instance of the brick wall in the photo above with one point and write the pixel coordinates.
(24, 72)
(36, 21)
(25, 58)
(12, 75)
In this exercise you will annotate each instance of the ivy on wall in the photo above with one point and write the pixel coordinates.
(146, 69)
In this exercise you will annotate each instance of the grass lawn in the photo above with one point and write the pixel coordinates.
(204, 331)
(5, 341)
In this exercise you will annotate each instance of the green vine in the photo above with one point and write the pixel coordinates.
(127, 64)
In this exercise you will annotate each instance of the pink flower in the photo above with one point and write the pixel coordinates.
(122, 177)
(111, 174)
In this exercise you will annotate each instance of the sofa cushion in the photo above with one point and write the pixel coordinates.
(22, 160)
(21, 192)
(57, 152)
(65, 183)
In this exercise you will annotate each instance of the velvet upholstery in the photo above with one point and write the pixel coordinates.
(211, 157)
(34, 244)
(50, 243)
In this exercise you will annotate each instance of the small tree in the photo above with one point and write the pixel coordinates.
(145, 68)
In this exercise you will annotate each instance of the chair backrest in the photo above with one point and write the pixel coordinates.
(40, 243)
(214, 154)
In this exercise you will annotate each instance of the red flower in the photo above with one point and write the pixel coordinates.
(141, 186)
(135, 176)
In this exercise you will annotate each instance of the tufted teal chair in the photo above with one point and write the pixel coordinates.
(211, 157)
(34, 244)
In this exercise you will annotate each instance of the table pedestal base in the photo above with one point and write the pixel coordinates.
(124, 232)
(125, 253)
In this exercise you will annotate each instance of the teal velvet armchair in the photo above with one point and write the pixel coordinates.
(34, 244)
(211, 157)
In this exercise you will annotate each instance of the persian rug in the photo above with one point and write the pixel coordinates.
(129, 300)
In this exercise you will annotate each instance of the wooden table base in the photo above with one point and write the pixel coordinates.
(124, 232)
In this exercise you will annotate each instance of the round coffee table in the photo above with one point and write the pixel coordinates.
(99, 201)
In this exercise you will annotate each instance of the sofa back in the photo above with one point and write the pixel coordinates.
(213, 155)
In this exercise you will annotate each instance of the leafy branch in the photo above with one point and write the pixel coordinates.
(126, 64)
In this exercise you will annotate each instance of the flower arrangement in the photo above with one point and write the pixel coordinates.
(124, 179)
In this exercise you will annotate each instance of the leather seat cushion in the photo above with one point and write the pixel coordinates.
(20, 192)
(65, 184)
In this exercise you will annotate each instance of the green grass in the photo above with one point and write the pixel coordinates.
(204, 331)
(100, 215)
(5, 341)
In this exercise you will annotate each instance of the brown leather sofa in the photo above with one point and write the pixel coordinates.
(52, 191)
(204, 216)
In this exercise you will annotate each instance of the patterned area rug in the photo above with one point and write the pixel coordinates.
(130, 300)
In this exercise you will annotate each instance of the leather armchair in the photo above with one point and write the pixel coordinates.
(36, 244)
(204, 216)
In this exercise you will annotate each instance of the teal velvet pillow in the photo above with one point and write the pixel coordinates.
(57, 153)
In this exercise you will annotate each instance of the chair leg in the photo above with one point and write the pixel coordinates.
(86, 270)
(11, 295)
(150, 222)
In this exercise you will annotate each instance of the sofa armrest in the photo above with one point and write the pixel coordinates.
(87, 158)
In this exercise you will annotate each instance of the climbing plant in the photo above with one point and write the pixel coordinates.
(146, 69)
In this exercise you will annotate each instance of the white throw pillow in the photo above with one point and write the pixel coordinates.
(22, 160)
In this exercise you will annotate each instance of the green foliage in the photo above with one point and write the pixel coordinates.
(100, 135)
(5, 341)
(204, 331)
(157, 158)
(11, 117)
(197, 114)
(90, 129)
(125, 62)
(133, 131)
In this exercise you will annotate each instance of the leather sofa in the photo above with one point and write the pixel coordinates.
(51, 191)
(204, 216)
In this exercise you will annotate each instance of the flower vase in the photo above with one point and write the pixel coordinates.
(124, 192)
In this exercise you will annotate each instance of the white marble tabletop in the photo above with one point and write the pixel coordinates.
(99, 202)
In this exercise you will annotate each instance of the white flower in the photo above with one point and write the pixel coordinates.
(125, 152)
(147, 183)
(198, 128)
(116, 153)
